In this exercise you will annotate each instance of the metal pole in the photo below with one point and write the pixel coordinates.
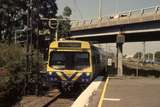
(15, 37)
(144, 49)
(27, 56)
(37, 78)
(29, 39)
(137, 65)
(100, 9)
(57, 30)
(153, 57)
(116, 7)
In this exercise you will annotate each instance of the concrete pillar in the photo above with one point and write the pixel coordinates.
(120, 40)
(119, 59)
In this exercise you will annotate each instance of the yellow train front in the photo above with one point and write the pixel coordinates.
(71, 62)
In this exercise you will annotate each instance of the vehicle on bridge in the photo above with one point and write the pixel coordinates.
(73, 62)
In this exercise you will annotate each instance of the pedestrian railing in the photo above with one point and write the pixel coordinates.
(126, 17)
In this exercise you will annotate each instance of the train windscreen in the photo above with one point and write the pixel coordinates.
(69, 60)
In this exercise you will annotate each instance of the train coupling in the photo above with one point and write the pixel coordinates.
(67, 85)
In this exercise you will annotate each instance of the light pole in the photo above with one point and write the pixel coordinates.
(100, 9)
(116, 6)
(144, 51)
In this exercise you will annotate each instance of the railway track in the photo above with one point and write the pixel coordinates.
(65, 99)
(53, 98)
(39, 101)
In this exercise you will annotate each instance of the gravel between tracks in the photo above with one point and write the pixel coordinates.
(53, 99)
(38, 101)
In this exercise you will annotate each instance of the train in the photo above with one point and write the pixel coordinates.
(72, 62)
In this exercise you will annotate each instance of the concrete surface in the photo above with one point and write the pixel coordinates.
(127, 92)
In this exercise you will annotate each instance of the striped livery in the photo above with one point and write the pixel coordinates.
(77, 76)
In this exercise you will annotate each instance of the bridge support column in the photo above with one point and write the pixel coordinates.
(119, 59)
(120, 41)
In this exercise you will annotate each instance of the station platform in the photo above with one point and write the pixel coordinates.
(121, 92)
(130, 92)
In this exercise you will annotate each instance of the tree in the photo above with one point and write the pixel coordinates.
(157, 56)
(13, 15)
(64, 25)
(67, 12)
(149, 56)
(13, 62)
(138, 55)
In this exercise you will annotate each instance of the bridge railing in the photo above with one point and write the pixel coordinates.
(133, 16)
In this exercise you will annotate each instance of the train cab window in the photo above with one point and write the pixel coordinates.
(81, 60)
(58, 60)
(69, 60)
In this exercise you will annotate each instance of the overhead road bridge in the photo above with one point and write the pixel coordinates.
(130, 26)
(136, 25)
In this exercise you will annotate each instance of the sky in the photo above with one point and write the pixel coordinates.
(88, 9)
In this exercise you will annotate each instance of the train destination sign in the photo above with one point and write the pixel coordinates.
(71, 44)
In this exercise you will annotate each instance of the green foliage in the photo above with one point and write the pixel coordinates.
(64, 25)
(149, 56)
(157, 56)
(67, 11)
(13, 15)
(13, 60)
(138, 55)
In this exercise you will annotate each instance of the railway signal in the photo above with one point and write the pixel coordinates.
(53, 24)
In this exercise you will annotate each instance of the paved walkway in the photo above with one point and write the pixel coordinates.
(141, 92)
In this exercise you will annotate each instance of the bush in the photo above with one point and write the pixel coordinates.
(13, 60)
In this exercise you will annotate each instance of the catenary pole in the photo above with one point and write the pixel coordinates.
(100, 9)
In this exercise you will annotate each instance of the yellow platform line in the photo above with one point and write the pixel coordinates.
(103, 93)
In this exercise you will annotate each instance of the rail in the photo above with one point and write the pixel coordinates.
(133, 16)
(39, 101)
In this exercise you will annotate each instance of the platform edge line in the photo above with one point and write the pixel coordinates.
(103, 92)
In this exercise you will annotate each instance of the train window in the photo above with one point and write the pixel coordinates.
(69, 60)
(98, 58)
(81, 60)
(58, 60)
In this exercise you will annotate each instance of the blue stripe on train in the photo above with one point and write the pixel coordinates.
(69, 78)
(54, 77)
(82, 78)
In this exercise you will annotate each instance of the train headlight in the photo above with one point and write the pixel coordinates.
(83, 80)
(87, 79)
(88, 74)
(50, 73)
(51, 78)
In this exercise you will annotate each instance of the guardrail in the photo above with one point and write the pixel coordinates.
(145, 14)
